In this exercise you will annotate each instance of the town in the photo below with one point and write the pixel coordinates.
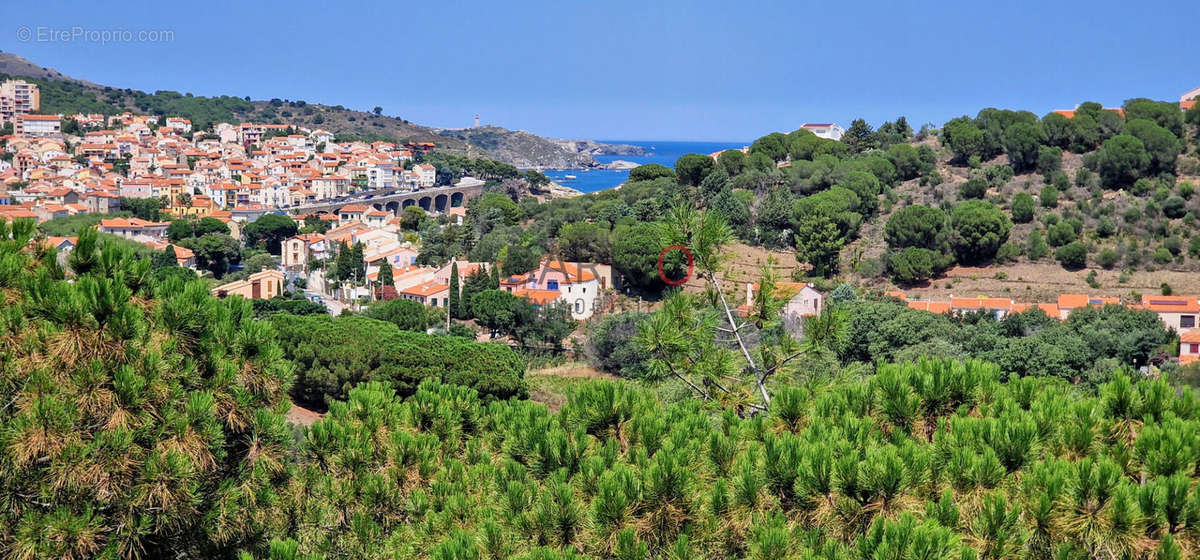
(356, 193)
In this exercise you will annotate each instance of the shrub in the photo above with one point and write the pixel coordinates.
(1036, 247)
(406, 314)
(1173, 244)
(998, 175)
(914, 264)
(1072, 255)
(1162, 255)
(1049, 196)
(1049, 159)
(1060, 234)
(1174, 207)
(979, 228)
(611, 346)
(975, 187)
(1107, 258)
(1007, 253)
(916, 226)
(1023, 207)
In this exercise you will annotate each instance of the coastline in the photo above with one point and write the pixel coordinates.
(559, 191)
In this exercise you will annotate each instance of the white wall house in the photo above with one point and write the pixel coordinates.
(825, 130)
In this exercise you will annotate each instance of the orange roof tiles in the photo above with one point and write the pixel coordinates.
(980, 303)
(1171, 304)
(427, 289)
(931, 306)
(573, 271)
(1192, 336)
(538, 297)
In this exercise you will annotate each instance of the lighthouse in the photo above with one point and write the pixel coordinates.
(476, 120)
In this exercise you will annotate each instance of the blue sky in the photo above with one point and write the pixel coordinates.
(659, 70)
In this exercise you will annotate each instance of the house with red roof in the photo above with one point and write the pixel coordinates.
(261, 285)
(803, 300)
(430, 293)
(577, 285)
(1189, 347)
(1177, 312)
(134, 228)
(1070, 302)
(351, 213)
(184, 256)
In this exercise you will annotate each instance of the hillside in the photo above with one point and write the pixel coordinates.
(520, 148)
(14, 65)
(67, 95)
(1123, 227)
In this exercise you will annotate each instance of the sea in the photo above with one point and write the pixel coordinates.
(661, 152)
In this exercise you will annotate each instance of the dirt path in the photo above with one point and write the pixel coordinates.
(301, 416)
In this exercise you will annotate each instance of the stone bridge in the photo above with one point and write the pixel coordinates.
(438, 199)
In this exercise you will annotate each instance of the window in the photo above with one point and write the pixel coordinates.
(1194, 348)
(579, 307)
(1187, 321)
(552, 284)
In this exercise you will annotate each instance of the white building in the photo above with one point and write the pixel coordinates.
(38, 125)
(426, 175)
(825, 130)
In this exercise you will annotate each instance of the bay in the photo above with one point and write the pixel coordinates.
(660, 152)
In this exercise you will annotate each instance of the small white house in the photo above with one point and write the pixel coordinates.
(803, 300)
(830, 131)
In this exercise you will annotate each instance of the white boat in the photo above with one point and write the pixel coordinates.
(569, 177)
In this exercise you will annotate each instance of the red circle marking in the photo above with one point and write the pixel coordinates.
(690, 267)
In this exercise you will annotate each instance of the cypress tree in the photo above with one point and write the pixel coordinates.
(385, 275)
(495, 277)
(455, 302)
(342, 263)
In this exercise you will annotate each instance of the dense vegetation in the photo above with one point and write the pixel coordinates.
(328, 366)
(141, 417)
(147, 423)
(999, 187)
(1085, 348)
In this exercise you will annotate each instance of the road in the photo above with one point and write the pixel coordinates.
(334, 306)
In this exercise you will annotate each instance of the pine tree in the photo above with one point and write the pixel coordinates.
(495, 277)
(455, 303)
(164, 259)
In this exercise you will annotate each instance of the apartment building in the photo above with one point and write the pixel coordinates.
(18, 97)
